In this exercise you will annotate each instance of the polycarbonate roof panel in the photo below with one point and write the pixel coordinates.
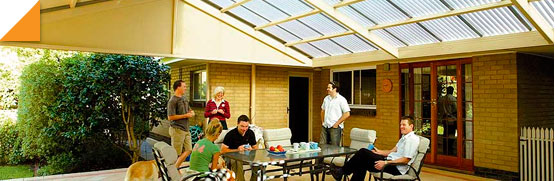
(248, 15)
(354, 43)
(450, 28)
(281, 34)
(291, 7)
(222, 3)
(421, 8)
(323, 24)
(380, 11)
(311, 50)
(332, 2)
(388, 38)
(459, 4)
(497, 21)
(356, 16)
(412, 34)
(265, 10)
(545, 8)
(299, 29)
(330, 47)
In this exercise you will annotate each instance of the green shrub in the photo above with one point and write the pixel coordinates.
(40, 85)
(76, 114)
(9, 141)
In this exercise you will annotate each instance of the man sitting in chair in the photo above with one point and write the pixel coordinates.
(239, 139)
(374, 160)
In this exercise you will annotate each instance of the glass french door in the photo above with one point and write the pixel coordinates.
(439, 96)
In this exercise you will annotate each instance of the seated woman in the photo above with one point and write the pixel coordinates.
(205, 151)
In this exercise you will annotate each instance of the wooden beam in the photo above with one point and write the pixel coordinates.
(535, 19)
(445, 14)
(261, 37)
(72, 3)
(354, 26)
(313, 12)
(319, 38)
(441, 50)
(234, 5)
(290, 18)
(346, 3)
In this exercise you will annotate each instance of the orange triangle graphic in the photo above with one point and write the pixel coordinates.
(28, 27)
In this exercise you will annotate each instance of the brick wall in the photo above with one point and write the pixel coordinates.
(535, 91)
(495, 112)
(272, 97)
(236, 79)
(386, 123)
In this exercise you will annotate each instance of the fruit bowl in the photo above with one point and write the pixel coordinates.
(277, 152)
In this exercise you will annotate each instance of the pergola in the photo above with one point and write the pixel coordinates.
(320, 33)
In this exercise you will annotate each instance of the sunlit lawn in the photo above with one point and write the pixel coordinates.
(17, 171)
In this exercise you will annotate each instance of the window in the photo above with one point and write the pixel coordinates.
(358, 87)
(199, 85)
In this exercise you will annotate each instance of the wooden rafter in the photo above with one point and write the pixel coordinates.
(313, 12)
(236, 24)
(535, 19)
(354, 26)
(72, 3)
(319, 38)
(234, 5)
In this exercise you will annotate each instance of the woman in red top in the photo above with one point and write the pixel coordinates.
(218, 107)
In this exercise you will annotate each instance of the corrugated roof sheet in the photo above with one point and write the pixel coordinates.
(450, 28)
(545, 7)
(412, 34)
(368, 13)
(354, 43)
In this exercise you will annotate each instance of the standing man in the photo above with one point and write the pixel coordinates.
(335, 110)
(179, 113)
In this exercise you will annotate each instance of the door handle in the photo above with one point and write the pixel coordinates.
(434, 101)
(287, 109)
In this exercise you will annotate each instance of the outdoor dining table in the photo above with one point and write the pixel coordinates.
(261, 158)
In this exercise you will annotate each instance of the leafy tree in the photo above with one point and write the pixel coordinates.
(107, 96)
(12, 62)
(40, 86)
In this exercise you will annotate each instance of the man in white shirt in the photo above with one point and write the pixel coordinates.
(335, 110)
(375, 160)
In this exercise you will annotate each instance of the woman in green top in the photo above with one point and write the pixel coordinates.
(205, 151)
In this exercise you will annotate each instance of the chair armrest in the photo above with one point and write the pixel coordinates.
(389, 164)
(187, 166)
(184, 178)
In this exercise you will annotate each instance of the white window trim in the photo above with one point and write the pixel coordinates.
(193, 86)
(352, 70)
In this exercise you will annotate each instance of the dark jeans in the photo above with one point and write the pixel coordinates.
(334, 135)
(363, 161)
(224, 124)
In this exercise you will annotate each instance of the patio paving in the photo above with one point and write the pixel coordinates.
(119, 174)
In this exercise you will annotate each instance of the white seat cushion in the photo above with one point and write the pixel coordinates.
(274, 137)
(360, 138)
(393, 177)
(337, 161)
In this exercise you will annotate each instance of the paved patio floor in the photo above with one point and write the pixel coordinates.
(119, 174)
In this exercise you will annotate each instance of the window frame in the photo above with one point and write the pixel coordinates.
(352, 70)
(193, 88)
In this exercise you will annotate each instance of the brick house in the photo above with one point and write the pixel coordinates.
(496, 55)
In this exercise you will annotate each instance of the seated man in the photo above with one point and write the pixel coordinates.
(239, 139)
(375, 160)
